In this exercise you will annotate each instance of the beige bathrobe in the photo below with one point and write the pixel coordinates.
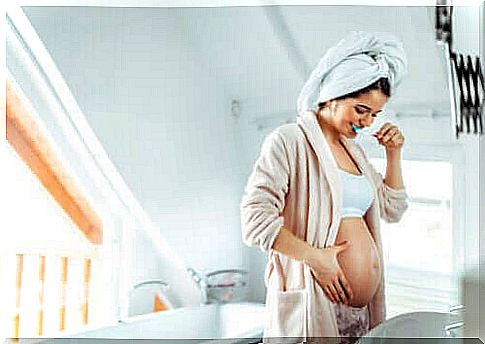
(295, 183)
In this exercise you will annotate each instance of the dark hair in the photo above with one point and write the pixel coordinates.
(382, 85)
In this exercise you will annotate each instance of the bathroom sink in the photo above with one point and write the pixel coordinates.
(415, 325)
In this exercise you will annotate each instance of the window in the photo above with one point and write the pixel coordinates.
(418, 250)
(50, 246)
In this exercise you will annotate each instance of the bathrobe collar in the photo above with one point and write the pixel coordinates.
(309, 124)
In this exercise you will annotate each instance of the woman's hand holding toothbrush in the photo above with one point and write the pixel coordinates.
(388, 136)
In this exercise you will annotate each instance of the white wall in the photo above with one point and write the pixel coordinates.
(180, 158)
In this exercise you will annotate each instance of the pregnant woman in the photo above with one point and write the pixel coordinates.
(313, 201)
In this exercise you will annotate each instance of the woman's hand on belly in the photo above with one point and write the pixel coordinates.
(328, 273)
(360, 263)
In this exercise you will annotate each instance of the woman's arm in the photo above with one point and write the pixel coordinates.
(265, 192)
(390, 190)
(393, 170)
(392, 139)
(293, 247)
(264, 200)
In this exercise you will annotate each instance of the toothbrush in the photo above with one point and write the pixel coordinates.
(366, 131)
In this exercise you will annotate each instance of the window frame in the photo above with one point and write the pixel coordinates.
(25, 135)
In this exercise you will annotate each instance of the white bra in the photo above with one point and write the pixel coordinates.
(358, 194)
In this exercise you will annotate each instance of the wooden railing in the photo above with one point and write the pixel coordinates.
(41, 282)
(20, 264)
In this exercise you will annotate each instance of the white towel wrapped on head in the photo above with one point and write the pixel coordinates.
(357, 61)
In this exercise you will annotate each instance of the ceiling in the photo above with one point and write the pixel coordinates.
(258, 55)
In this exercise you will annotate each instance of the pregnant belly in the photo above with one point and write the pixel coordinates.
(360, 262)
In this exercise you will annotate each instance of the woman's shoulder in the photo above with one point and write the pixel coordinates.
(290, 132)
(283, 138)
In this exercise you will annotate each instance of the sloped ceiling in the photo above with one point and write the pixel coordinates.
(259, 55)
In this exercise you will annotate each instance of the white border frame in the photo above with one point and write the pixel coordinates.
(235, 3)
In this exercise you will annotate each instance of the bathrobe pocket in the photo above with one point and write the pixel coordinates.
(287, 314)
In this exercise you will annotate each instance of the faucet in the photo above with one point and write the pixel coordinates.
(450, 328)
(202, 281)
(457, 308)
(163, 287)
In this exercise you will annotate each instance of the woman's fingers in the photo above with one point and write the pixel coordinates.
(395, 141)
(389, 135)
(331, 278)
(334, 292)
(398, 140)
(346, 286)
(342, 247)
(329, 294)
(340, 292)
(383, 130)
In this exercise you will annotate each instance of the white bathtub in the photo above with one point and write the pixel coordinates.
(211, 323)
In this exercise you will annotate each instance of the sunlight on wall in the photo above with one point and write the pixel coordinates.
(33, 214)
(35, 225)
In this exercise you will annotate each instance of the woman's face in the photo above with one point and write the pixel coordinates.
(359, 111)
